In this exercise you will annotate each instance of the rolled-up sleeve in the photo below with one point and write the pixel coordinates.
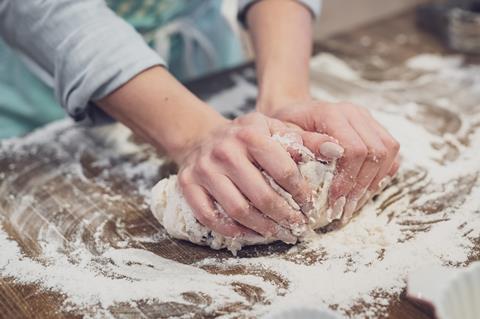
(243, 5)
(82, 44)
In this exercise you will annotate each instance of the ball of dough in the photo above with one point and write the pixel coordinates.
(173, 212)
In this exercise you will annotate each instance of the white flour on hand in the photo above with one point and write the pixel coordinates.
(173, 212)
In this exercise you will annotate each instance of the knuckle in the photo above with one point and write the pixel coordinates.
(266, 201)
(238, 211)
(289, 174)
(395, 145)
(204, 218)
(223, 152)
(249, 117)
(358, 151)
(184, 179)
(377, 155)
(203, 167)
(247, 135)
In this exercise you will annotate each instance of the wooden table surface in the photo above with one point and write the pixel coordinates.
(41, 173)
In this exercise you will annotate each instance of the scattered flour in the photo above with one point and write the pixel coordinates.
(131, 274)
(430, 216)
(433, 62)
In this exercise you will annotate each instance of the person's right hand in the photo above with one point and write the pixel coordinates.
(224, 167)
(370, 150)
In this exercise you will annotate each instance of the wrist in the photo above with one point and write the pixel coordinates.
(180, 142)
(277, 88)
(158, 108)
(269, 104)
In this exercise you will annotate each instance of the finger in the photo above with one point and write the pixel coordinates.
(394, 169)
(366, 175)
(259, 122)
(237, 207)
(281, 128)
(323, 146)
(392, 147)
(205, 212)
(251, 182)
(350, 164)
(375, 159)
(369, 193)
(365, 198)
(273, 158)
(293, 144)
(289, 137)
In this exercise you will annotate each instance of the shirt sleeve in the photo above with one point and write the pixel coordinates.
(86, 49)
(243, 5)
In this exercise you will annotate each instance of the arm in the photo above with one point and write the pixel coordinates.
(93, 55)
(63, 38)
(281, 31)
(217, 157)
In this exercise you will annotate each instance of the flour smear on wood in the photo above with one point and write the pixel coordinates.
(429, 216)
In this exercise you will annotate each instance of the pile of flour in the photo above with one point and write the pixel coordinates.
(429, 216)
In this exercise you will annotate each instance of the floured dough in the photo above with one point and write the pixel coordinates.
(172, 211)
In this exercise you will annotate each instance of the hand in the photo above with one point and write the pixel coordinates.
(282, 61)
(219, 159)
(224, 167)
(370, 151)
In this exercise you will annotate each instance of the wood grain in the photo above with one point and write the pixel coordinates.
(66, 202)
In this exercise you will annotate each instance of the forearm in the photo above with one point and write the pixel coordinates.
(162, 111)
(281, 31)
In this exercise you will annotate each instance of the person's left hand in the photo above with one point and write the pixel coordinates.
(370, 151)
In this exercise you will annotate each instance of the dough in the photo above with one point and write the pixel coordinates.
(172, 211)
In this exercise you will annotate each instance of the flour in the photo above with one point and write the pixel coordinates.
(430, 215)
(433, 62)
(146, 276)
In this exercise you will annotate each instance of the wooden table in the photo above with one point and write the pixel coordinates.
(63, 196)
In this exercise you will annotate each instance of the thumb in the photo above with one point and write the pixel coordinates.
(323, 146)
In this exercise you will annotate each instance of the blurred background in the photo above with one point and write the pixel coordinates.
(342, 15)
(196, 38)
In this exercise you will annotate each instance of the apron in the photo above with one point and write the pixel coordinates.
(193, 36)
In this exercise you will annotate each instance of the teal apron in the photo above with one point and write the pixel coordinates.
(193, 36)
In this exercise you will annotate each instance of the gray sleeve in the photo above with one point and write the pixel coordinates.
(87, 50)
(243, 5)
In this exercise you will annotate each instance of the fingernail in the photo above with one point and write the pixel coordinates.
(349, 210)
(337, 208)
(285, 236)
(331, 150)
